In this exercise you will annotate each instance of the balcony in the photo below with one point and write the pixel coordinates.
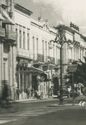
(23, 53)
(11, 35)
(40, 58)
(2, 32)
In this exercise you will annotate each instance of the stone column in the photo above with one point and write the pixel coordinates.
(1, 65)
(30, 82)
(14, 69)
(10, 71)
(19, 79)
(23, 80)
(27, 86)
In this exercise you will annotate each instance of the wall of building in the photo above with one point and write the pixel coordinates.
(33, 39)
(42, 37)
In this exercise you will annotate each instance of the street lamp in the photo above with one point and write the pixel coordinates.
(61, 39)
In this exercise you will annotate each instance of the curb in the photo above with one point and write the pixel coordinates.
(34, 100)
(64, 105)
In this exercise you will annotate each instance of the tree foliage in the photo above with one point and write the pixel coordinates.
(79, 75)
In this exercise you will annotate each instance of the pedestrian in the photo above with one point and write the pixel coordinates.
(6, 92)
(28, 92)
(55, 85)
(17, 93)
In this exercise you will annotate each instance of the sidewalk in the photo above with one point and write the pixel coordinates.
(21, 105)
(35, 100)
(24, 105)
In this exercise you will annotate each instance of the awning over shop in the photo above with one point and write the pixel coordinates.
(36, 70)
(7, 18)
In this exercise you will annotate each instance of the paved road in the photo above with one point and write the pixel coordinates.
(46, 114)
(24, 109)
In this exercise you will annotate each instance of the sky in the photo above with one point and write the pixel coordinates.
(58, 11)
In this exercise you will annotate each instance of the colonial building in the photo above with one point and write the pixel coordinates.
(34, 55)
(7, 46)
(30, 63)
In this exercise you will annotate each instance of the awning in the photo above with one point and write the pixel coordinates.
(32, 69)
(1, 17)
(36, 70)
(7, 19)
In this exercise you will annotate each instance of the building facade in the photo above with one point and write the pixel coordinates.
(7, 47)
(29, 60)
(34, 53)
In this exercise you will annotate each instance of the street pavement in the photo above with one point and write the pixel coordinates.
(46, 113)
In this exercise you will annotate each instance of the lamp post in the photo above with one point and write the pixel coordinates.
(60, 39)
(61, 42)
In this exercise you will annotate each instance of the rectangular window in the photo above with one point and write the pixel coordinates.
(17, 37)
(33, 40)
(28, 41)
(37, 45)
(20, 39)
(57, 55)
(43, 49)
(46, 50)
(23, 40)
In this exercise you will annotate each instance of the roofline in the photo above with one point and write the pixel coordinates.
(22, 9)
(72, 31)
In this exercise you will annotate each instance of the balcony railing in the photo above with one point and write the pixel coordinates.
(11, 35)
(40, 57)
(2, 32)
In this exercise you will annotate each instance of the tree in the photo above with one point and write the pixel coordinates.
(79, 76)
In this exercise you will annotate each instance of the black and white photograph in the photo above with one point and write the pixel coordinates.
(42, 62)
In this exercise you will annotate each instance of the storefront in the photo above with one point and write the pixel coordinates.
(28, 79)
